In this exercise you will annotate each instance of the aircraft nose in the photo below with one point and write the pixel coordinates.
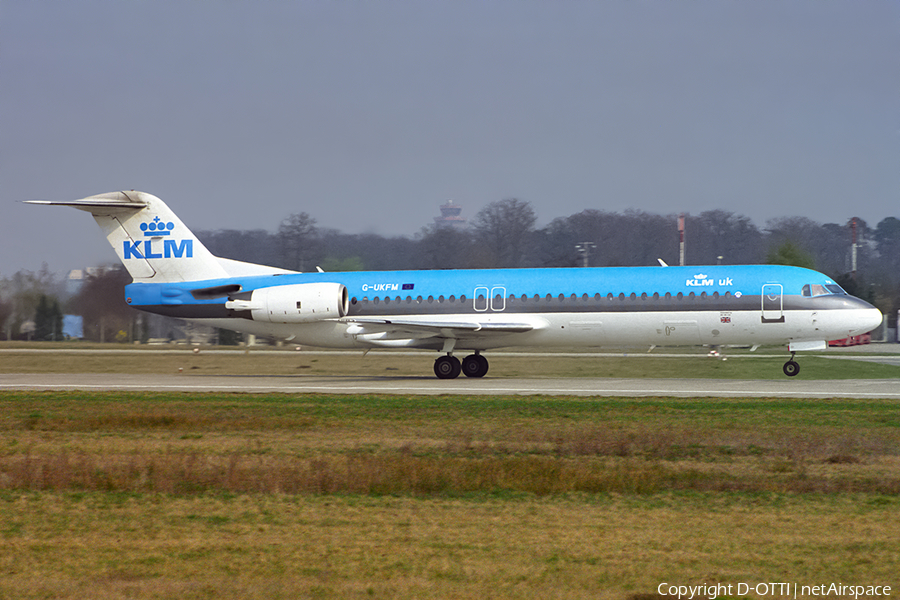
(873, 318)
(867, 318)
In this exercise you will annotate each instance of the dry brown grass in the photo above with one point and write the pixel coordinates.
(276, 546)
(234, 496)
(175, 443)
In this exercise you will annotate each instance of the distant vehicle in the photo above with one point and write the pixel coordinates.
(854, 340)
(471, 311)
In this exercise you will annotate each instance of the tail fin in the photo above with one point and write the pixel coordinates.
(152, 243)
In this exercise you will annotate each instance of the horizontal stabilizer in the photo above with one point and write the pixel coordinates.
(101, 203)
(88, 205)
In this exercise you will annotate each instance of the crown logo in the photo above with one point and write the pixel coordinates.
(156, 227)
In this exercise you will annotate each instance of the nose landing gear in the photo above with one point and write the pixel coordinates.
(791, 368)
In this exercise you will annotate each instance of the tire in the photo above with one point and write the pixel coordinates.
(791, 368)
(447, 367)
(475, 365)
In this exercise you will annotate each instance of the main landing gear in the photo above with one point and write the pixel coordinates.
(449, 367)
(791, 368)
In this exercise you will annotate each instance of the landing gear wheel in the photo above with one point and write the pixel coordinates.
(475, 365)
(791, 368)
(447, 367)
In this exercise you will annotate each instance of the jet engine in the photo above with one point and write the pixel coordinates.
(297, 303)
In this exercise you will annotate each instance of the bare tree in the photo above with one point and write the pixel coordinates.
(6, 311)
(23, 290)
(716, 233)
(101, 304)
(298, 240)
(502, 228)
(443, 247)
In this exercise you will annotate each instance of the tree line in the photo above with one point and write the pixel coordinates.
(503, 234)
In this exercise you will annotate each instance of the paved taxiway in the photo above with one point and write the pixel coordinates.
(294, 384)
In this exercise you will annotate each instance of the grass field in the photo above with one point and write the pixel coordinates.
(117, 495)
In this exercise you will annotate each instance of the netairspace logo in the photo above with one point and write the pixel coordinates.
(773, 589)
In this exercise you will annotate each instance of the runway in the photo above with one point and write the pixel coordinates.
(429, 386)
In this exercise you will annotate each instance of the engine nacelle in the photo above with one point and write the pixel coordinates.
(297, 303)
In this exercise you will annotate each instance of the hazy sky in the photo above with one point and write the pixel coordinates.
(370, 114)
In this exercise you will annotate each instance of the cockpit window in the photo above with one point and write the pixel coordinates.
(815, 289)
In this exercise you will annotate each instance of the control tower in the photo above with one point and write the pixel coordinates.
(450, 216)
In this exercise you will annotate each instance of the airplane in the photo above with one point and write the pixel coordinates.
(471, 311)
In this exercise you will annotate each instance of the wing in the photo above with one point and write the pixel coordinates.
(417, 332)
